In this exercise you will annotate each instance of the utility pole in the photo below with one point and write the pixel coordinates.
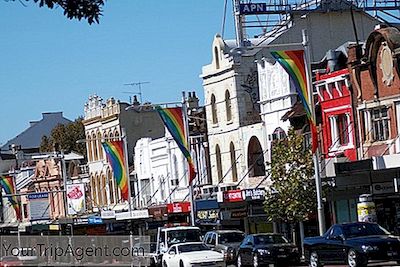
(238, 23)
(139, 85)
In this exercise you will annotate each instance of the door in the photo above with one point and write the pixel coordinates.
(171, 257)
(335, 248)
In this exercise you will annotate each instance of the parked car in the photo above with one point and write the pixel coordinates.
(264, 249)
(8, 261)
(192, 254)
(352, 243)
(224, 241)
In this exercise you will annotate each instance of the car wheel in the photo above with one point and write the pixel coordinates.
(239, 261)
(314, 260)
(354, 259)
(255, 260)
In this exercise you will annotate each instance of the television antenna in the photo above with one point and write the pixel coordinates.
(139, 85)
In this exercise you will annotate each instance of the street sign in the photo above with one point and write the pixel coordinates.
(95, 220)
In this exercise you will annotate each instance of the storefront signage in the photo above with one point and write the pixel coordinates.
(107, 214)
(76, 198)
(207, 216)
(95, 220)
(39, 206)
(233, 195)
(133, 214)
(180, 207)
(239, 214)
(253, 8)
(158, 212)
(383, 188)
(254, 194)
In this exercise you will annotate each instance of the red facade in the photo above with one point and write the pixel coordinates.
(337, 114)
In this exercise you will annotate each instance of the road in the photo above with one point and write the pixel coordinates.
(386, 264)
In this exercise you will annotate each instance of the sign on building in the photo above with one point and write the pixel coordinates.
(76, 198)
(254, 194)
(39, 206)
(253, 8)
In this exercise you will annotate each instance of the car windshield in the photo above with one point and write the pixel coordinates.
(356, 230)
(269, 239)
(230, 237)
(182, 236)
(192, 247)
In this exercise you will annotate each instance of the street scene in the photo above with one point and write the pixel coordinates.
(197, 134)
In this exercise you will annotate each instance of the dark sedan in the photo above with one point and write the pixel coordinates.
(264, 249)
(354, 244)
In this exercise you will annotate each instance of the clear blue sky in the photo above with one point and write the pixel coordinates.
(50, 63)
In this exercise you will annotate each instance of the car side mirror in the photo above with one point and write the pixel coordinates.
(171, 252)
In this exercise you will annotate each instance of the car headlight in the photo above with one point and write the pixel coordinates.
(367, 248)
(263, 252)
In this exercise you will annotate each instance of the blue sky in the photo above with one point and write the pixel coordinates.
(50, 63)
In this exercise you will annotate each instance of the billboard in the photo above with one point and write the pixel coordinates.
(76, 198)
(39, 206)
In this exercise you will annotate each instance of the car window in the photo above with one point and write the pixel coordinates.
(336, 231)
(363, 229)
(172, 249)
(192, 247)
(247, 240)
(233, 237)
(213, 240)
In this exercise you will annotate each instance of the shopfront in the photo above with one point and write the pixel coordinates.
(178, 213)
(233, 210)
(207, 214)
(256, 216)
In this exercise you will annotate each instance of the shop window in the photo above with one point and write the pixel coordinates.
(380, 123)
(214, 109)
(228, 106)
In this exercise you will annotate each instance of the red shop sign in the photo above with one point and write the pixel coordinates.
(180, 207)
(233, 196)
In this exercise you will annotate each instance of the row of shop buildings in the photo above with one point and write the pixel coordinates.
(249, 101)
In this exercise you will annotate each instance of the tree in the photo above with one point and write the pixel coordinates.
(65, 137)
(90, 10)
(291, 197)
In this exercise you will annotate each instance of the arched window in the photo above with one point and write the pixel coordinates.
(99, 146)
(219, 162)
(104, 189)
(233, 162)
(94, 145)
(228, 106)
(255, 158)
(111, 186)
(116, 134)
(93, 186)
(98, 191)
(216, 57)
(214, 109)
(111, 137)
(89, 147)
(279, 134)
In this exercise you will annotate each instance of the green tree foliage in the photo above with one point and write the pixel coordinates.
(65, 136)
(291, 197)
(91, 10)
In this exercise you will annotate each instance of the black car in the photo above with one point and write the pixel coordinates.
(225, 242)
(264, 249)
(354, 244)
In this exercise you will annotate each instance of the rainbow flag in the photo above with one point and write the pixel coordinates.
(115, 156)
(294, 64)
(8, 186)
(173, 120)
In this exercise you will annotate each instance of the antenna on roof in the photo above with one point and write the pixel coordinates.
(139, 85)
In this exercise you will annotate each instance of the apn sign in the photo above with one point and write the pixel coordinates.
(253, 8)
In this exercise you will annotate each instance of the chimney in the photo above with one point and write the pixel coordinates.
(193, 101)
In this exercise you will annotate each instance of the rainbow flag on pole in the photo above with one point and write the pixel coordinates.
(115, 156)
(8, 185)
(173, 120)
(294, 64)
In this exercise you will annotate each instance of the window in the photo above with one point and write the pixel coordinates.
(213, 239)
(343, 128)
(219, 162)
(111, 186)
(380, 123)
(116, 135)
(278, 134)
(94, 145)
(175, 171)
(233, 163)
(99, 146)
(214, 109)
(216, 57)
(307, 137)
(228, 106)
(104, 189)
(89, 147)
(336, 231)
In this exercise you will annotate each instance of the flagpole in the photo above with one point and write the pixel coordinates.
(318, 182)
(186, 123)
(125, 141)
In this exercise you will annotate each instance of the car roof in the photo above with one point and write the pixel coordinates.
(187, 243)
(262, 234)
(355, 223)
(225, 231)
(181, 228)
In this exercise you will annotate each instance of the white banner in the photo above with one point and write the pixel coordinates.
(76, 198)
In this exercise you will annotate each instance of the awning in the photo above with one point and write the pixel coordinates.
(207, 204)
